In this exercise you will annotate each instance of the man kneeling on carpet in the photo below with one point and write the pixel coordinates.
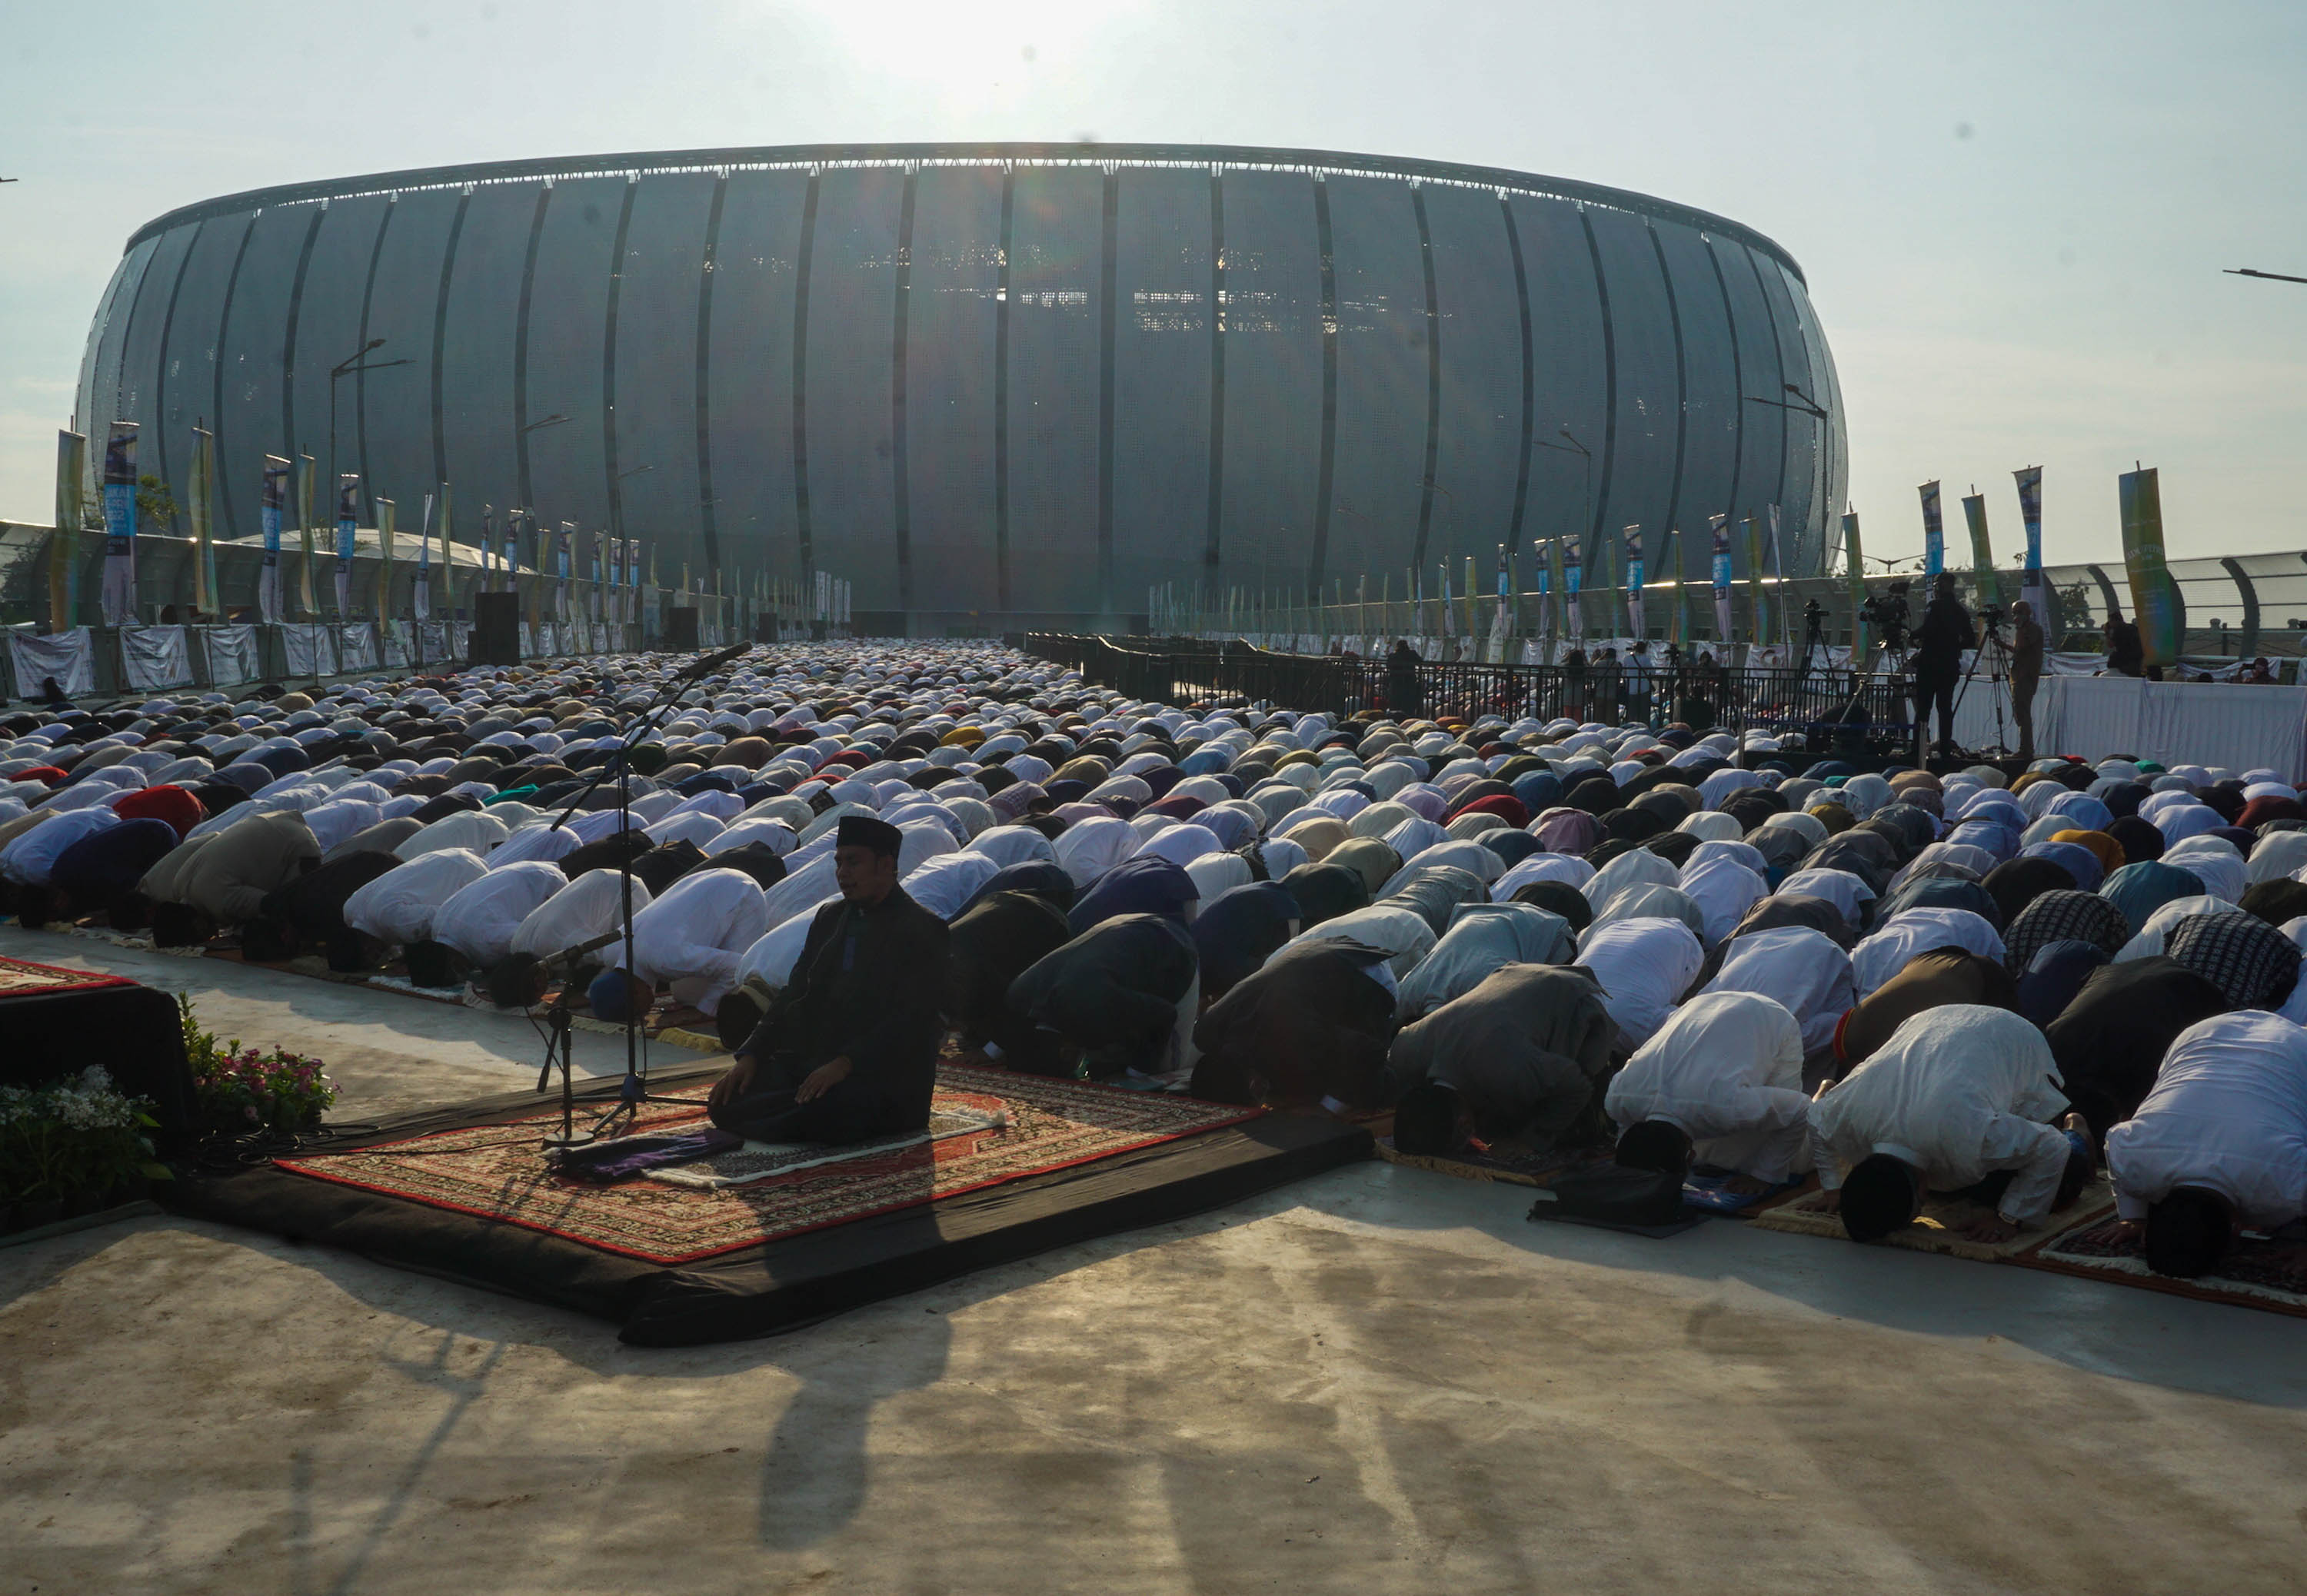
(1957, 1104)
(848, 1051)
(1719, 1084)
(2220, 1144)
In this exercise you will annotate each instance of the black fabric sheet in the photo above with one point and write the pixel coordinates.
(131, 1030)
(780, 1286)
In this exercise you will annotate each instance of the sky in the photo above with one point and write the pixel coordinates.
(2013, 217)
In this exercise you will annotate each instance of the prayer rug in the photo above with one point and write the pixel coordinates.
(1508, 1167)
(497, 1172)
(1938, 1228)
(758, 1161)
(20, 978)
(2265, 1271)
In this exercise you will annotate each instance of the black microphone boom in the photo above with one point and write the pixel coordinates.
(713, 663)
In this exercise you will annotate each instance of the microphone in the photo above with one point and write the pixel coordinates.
(712, 662)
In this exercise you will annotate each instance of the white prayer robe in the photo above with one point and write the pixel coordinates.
(1726, 1071)
(398, 907)
(2228, 1113)
(1958, 1091)
(480, 918)
(1643, 965)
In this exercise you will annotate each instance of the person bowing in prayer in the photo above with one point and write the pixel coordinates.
(848, 1050)
(1958, 1102)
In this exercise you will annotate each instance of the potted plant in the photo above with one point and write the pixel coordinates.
(72, 1147)
(240, 1090)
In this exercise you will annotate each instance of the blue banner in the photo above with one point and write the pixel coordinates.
(1933, 537)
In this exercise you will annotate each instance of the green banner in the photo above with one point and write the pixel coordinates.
(1758, 628)
(387, 514)
(1982, 553)
(201, 489)
(306, 469)
(1682, 624)
(64, 545)
(2155, 602)
(1854, 574)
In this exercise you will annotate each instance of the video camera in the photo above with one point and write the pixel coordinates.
(1891, 613)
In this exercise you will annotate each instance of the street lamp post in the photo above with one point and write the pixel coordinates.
(356, 361)
(1804, 404)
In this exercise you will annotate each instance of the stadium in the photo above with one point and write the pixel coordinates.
(995, 387)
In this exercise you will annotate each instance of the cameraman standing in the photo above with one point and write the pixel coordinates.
(1946, 631)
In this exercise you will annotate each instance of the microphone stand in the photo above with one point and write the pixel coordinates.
(633, 1091)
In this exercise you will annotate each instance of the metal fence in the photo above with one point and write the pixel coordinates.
(1191, 670)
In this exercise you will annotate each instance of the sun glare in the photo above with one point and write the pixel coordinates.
(965, 50)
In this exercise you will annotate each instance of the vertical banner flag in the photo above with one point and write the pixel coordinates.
(1448, 630)
(1779, 579)
(633, 599)
(1854, 575)
(616, 581)
(63, 547)
(347, 521)
(1758, 630)
(1635, 618)
(1572, 569)
(593, 553)
(119, 596)
(275, 499)
(567, 530)
(1933, 539)
(420, 592)
(1982, 551)
(2030, 512)
(1549, 557)
(488, 548)
(445, 598)
(2156, 602)
(1681, 624)
(1718, 527)
(201, 491)
(537, 567)
(387, 517)
(307, 480)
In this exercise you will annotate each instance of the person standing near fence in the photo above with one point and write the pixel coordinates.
(1939, 642)
(1403, 699)
(2124, 652)
(1638, 681)
(2026, 672)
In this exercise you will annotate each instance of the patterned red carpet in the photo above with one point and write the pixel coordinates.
(2259, 1273)
(20, 978)
(497, 1170)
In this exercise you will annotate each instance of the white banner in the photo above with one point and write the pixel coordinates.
(68, 656)
(308, 650)
(154, 657)
(356, 645)
(228, 654)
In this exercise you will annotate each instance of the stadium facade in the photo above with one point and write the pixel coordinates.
(995, 386)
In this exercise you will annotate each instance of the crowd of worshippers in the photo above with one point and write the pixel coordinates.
(1539, 938)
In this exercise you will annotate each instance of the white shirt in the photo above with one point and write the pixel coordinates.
(2229, 1114)
(31, 857)
(1912, 930)
(1803, 970)
(693, 936)
(1846, 892)
(480, 918)
(1724, 888)
(1644, 966)
(1726, 1063)
(1958, 1091)
(399, 905)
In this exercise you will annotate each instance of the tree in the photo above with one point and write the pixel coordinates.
(156, 506)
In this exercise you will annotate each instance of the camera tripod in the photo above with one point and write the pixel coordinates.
(1997, 655)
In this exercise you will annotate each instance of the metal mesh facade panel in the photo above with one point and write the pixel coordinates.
(248, 422)
(1161, 380)
(956, 270)
(1641, 326)
(99, 399)
(327, 333)
(657, 367)
(186, 391)
(478, 333)
(749, 375)
(1107, 428)
(1381, 447)
(568, 314)
(1763, 443)
(851, 311)
(1055, 255)
(1273, 320)
(1801, 431)
(1572, 380)
(1480, 439)
(1711, 402)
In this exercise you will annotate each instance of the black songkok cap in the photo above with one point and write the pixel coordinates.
(864, 831)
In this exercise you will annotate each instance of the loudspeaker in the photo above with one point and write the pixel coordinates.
(496, 629)
(680, 629)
